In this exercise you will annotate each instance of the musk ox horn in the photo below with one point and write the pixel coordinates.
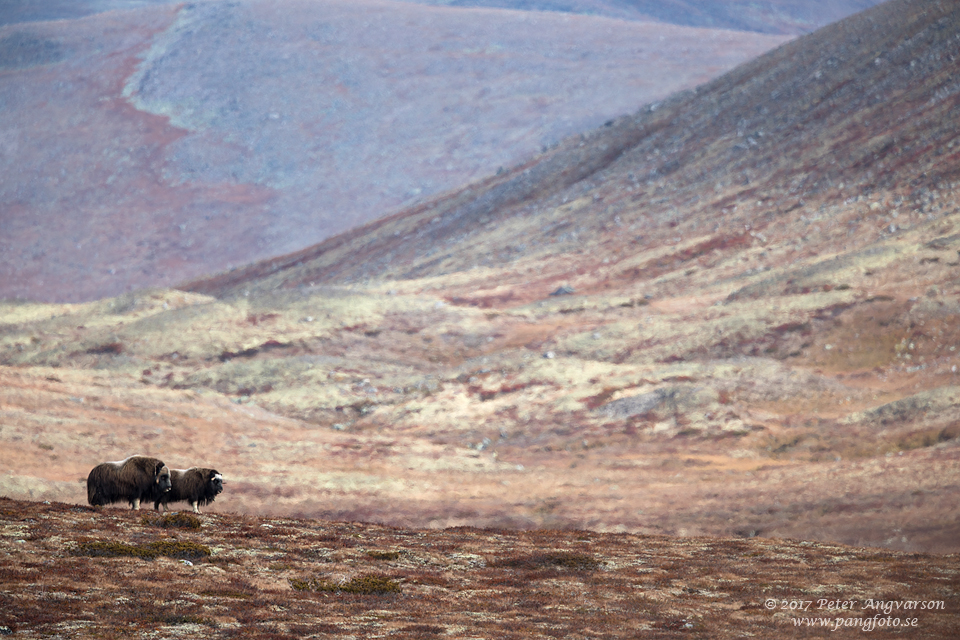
(136, 479)
(195, 485)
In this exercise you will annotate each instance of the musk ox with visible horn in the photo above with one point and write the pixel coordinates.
(197, 486)
(136, 479)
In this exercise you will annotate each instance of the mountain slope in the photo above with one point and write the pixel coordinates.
(178, 140)
(864, 109)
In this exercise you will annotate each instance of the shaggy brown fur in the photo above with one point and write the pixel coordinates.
(197, 486)
(132, 480)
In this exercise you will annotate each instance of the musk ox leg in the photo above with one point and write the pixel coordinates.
(135, 504)
(196, 508)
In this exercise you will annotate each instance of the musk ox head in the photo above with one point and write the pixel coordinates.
(216, 482)
(163, 478)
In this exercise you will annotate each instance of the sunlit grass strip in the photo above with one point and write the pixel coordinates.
(179, 549)
(370, 584)
(560, 559)
(170, 520)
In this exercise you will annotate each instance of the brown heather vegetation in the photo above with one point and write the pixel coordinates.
(288, 578)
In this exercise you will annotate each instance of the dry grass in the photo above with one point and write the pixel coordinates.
(579, 470)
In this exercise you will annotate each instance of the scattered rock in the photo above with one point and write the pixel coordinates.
(636, 405)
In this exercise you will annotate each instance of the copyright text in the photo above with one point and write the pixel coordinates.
(885, 607)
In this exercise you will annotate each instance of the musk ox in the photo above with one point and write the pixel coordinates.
(197, 486)
(132, 480)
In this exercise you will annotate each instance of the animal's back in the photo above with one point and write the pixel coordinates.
(102, 483)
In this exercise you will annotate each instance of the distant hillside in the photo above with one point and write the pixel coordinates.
(14, 11)
(863, 109)
(771, 16)
(145, 147)
(768, 16)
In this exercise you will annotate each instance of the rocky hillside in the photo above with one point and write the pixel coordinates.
(147, 146)
(85, 573)
(851, 127)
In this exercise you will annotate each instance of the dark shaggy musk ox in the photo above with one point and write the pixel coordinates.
(197, 486)
(136, 479)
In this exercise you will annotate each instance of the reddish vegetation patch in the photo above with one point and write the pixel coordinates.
(500, 301)
(700, 254)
